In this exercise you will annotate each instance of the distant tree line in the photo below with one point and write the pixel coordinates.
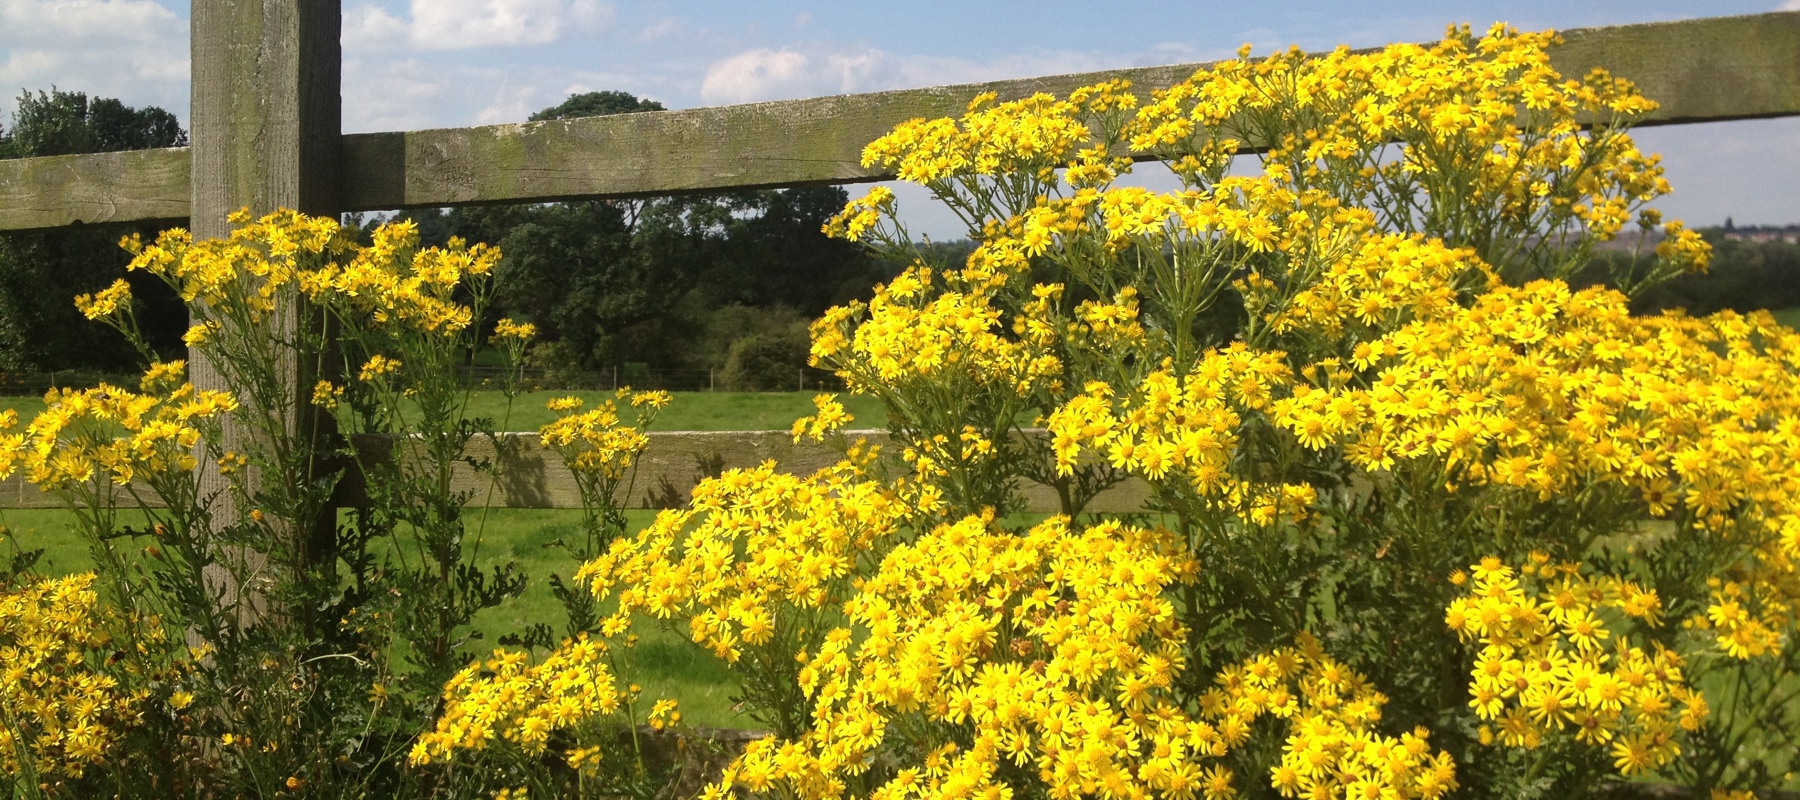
(1744, 276)
(40, 273)
(719, 281)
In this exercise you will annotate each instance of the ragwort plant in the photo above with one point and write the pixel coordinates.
(240, 641)
(1428, 512)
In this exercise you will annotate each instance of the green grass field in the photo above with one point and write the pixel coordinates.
(689, 411)
(670, 666)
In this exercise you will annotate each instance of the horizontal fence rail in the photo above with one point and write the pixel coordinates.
(530, 476)
(1700, 70)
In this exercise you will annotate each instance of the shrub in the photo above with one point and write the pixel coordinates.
(1349, 380)
(1422, 518)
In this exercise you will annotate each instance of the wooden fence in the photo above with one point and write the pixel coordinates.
(267, 133)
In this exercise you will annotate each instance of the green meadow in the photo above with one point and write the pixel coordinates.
(669, 666)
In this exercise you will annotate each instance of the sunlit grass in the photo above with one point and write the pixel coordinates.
(690, 411)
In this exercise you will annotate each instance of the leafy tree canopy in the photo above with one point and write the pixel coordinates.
(61, 123)
(40, 273)
(646, 280)
(597, 104)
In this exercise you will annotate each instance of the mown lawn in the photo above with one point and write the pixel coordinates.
(669, 666)
(689, 411)
(1788, 316)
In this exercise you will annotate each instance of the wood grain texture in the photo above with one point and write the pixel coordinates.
(1701, 70)
(57, 191)
(267, 118)
(532, 477)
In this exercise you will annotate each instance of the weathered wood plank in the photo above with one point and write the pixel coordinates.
(759, 145)
(533, 477)
(267, 130)
(267, 115)
(54, 191)
(1701, 70)
(530, 476)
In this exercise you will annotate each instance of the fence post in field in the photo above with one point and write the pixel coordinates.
(266, 134)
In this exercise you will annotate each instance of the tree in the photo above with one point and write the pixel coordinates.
(642, 280)
(40, 273)
(597, 104)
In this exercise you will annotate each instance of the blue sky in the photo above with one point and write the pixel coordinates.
(437, 63)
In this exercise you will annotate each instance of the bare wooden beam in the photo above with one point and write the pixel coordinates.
(1701, 70)
(532, 477)
(266, 109)
(54, 191)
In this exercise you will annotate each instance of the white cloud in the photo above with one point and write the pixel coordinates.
(660, 28)
(510, 104)
(787, 73)
(769, 74)
(1790, 5)
(428, 91)
(135, 50)
(373, 28)
(463, 24)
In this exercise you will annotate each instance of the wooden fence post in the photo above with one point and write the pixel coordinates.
(267, 118)
(266, 134)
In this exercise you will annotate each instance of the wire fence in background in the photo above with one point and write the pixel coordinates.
(640, 376)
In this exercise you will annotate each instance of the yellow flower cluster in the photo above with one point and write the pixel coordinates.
(1651, 401)
(509, 699)
(377, 367)
(993, 139)
(1055, 650)
(106, 302)
(108, 433)
(1052, 650)
(1541, 388)
(830, 416)
(58, 709)
(509, 330)
(597, 442)
(1388, 280)
(1545, 665)
(327, 395)
(393, 281)
(1491, 114)
(753, 547)
(1750, 624)
(861, 216)
(915, 333)
(1186, 426)
(242, 274)
(1331, 748)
